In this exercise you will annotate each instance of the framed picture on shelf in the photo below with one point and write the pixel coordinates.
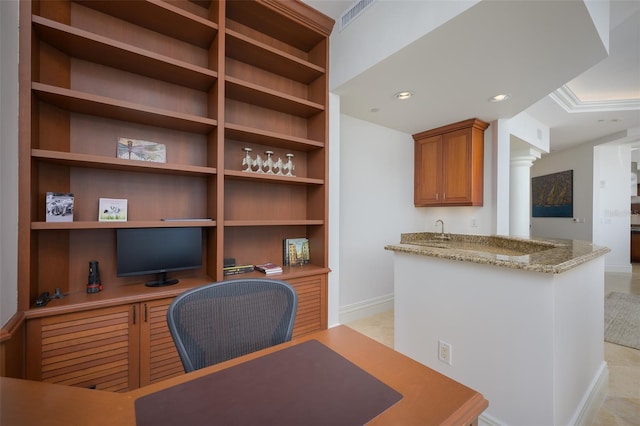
(59, 207)
(296, 252)
(134, 149)
(112, 210)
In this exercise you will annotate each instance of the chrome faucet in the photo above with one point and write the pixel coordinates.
(441, 229)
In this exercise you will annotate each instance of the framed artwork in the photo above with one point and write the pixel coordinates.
(552, 195)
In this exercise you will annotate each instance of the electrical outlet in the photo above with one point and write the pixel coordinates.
(444, 352)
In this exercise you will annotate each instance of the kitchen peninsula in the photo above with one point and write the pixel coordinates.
(524, 320)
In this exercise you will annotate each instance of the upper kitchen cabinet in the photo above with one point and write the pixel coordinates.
(449, 165)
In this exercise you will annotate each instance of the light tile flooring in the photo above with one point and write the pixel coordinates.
(622, 405)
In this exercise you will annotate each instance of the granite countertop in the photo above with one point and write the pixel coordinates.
(548, 256)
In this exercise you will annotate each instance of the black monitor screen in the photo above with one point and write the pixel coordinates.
(143, 251)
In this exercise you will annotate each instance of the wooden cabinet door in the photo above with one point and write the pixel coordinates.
(159, 358)
(312, 301)
(93, 349)
(456, 167)
(635, 246)
(427, 171)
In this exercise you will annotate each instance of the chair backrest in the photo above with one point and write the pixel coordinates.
(223, 320)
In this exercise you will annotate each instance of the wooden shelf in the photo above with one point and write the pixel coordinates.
(161, 17)
(263, 177)
(261, 96)
(302, 222)
(263, 56)
(118, 225)
(101, 106)
(91, 47)
(249, 134)
(288, 272)
(100, 162)
(295, 24)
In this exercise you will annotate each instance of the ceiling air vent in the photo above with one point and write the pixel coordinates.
(353, 12)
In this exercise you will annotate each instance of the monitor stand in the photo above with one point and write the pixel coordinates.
(162, 281)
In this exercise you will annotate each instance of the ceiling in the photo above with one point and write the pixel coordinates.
(545, 54)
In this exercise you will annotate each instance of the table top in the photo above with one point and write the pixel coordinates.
(428, 397)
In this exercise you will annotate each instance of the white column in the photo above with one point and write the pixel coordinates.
(520, 191)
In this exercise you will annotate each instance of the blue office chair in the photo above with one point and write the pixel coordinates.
(223, 320)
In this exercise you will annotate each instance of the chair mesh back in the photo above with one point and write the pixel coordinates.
(224, 320)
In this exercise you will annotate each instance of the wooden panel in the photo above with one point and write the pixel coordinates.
(311, 300)
(635, 246)
(159, 358)
(456, 168)
(427, 170)
(88, 349)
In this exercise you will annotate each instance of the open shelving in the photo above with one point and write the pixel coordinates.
(205, 78)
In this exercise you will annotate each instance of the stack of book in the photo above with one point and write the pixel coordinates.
(269, 268)
(236, 269)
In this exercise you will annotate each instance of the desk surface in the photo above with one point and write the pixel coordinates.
(428, 397)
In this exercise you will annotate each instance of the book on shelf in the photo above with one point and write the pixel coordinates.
(237, 269)
(112, 210)
(134, 149)
(269, 268)
(295, 252)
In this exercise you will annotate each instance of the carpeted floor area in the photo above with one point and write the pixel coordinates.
(622, 319)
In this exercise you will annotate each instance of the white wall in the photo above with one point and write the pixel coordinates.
(351, 53)
(8, 159)
(601, 195)
(612, 204)
(534, 349)
(376, 206)
(580, 160)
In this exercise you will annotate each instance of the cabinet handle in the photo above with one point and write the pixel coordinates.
(145, 312)
(444, 195)
(436, 195)
(134, 314)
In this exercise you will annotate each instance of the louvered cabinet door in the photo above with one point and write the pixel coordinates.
(312, 296)
(92, 349)
(159, 358)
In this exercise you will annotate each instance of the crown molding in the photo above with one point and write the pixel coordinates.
(570, 102)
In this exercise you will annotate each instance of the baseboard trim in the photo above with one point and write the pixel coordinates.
(365, 308)
(486, 420)
(593, 398)
(626, 269)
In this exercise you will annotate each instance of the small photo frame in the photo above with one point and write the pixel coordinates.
(59, 207)
(112, 210)
(135, 149)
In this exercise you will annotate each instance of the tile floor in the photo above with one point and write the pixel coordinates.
(622, 405)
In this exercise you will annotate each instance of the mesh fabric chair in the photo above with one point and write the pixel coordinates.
(224, 320)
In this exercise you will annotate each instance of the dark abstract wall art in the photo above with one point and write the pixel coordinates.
(552, 195)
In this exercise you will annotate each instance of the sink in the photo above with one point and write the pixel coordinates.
(495, 245)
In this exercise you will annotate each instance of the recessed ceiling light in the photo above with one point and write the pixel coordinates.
(499, 98)
(403, 95)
